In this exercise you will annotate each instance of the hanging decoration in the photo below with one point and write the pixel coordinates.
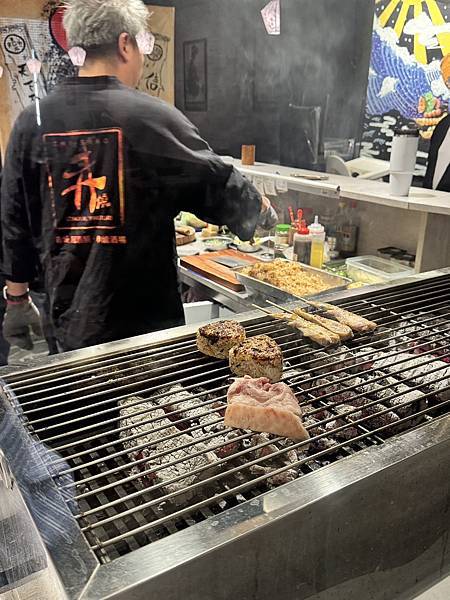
(271, 15)
(146, 42)
(1, 71)
(34, 66)
(77, 56)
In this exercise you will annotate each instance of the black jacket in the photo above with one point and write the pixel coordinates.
(90, 195)
(439, 136)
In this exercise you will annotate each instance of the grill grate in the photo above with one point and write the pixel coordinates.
(352, 397)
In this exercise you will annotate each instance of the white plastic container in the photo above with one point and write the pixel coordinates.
(403, 161)
(400, 184)
(373, 269)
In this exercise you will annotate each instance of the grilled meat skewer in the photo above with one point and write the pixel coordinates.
(343, 331)
(355, 322)
(314, 332)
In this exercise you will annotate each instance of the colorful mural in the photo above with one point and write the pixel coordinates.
(409, 75)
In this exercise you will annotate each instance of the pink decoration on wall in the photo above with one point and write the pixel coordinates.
(77, 56)
(146, 42)
(271, 15)
(34, 66)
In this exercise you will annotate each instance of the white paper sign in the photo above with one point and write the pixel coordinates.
(281, 186)
(258, 182)
(269, 187)
(272, 17)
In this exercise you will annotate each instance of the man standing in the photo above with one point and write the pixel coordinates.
(438, 170)
(90, 191)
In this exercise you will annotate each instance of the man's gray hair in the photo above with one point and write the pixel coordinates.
(98, 23)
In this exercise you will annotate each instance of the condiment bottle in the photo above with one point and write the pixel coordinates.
(317, 232)
(302, 244)
(282, 235)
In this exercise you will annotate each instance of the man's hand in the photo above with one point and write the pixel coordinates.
(20, 319)
(265, 204)
(268, 217)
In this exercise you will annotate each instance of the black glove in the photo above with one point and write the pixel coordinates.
(268, 219)
(18, 320)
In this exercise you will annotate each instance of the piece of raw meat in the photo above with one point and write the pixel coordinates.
(257, 405)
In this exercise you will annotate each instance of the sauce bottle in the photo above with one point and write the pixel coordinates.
(302, 244)
(317, 232)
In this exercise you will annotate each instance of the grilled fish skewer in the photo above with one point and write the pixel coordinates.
(316, 333)
(355, 322)
(343, 331)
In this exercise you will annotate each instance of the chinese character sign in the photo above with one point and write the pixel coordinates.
(86, 183)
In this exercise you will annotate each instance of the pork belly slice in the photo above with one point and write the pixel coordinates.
(257, 405)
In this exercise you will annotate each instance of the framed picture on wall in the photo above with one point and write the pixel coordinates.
(195, 75)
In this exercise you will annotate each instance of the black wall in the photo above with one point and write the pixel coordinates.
(320, 59)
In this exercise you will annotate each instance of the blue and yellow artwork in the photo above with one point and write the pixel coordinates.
(409, 75)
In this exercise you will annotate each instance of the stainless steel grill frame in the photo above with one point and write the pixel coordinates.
(70, 403)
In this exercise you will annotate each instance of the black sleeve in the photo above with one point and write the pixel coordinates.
(438, 137)
(195, 179)
(19, 263)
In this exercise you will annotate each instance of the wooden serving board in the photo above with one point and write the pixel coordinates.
(184, 235)
(204, 265)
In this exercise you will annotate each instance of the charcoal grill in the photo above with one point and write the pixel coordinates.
(360, 509)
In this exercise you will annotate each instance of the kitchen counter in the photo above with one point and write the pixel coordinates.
(350, 188)
(432, 207)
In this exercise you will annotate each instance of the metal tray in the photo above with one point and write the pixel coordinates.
(336, 283)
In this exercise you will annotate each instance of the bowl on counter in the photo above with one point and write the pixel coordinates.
(217, 243)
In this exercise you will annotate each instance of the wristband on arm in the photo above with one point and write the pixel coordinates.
(15, 299)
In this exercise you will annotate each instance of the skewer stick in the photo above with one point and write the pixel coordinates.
(307, 302)
(264, 310)
(282, 308)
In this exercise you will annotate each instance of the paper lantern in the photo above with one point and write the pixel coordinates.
(57, 30)
(77, 56)
(1, 71)
(146, 42)
(34, 66)
(272, 18)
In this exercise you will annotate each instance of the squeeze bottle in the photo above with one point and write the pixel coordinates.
(317, 232)
(302, 244)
